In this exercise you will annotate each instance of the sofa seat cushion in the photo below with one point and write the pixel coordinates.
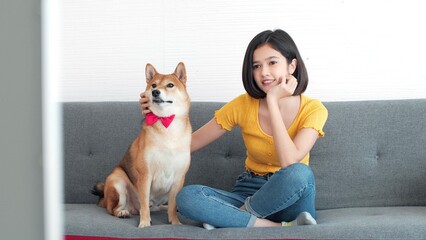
(365, 223)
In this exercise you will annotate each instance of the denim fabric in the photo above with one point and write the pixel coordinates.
(287, 193)
(213, 206)
(279, 197)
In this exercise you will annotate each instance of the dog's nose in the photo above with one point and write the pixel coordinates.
(156, 93)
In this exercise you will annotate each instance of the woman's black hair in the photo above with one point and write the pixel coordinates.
(283, 43)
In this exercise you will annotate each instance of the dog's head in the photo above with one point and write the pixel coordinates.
(167, 92)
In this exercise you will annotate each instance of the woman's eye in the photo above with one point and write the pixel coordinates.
(170, 85)
(272, 62)
(154, 85)
(256, 66)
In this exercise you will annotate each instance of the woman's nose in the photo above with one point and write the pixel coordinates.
(265, 71)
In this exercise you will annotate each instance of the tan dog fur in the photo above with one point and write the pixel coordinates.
(153, 169)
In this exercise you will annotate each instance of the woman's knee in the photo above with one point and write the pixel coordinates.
(298, 172)
(187, 194)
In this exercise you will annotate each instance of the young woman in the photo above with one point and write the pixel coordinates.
(279, 126)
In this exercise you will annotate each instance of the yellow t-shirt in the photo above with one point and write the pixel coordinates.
(243, 111)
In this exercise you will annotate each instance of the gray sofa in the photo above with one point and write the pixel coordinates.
(370, 172)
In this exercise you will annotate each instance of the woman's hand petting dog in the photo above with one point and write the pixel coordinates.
(144, 104)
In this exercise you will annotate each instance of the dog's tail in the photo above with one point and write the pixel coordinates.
(98, 190)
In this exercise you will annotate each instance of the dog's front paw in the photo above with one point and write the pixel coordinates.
(122, 213)
(143, 224)
(174, 221)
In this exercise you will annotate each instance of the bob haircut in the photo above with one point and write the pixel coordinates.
(283, 43)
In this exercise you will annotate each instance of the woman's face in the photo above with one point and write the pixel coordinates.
(269, 66)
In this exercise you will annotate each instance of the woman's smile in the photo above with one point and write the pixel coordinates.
(268, 82)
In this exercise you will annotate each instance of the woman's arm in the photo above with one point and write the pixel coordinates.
(288, 151)
(206, 135)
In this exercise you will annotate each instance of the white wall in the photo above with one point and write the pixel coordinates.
(353, 49)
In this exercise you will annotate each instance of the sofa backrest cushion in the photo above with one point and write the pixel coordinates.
(373, 153)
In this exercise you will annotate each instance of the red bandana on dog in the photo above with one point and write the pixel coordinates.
(151, 118)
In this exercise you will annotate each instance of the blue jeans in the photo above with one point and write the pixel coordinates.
(281, 196)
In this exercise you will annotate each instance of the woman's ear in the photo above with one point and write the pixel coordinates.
(292, 66)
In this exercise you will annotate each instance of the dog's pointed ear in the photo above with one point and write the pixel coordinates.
(180, 72)
(150, 72)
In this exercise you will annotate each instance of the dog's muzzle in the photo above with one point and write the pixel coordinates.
(156, 97)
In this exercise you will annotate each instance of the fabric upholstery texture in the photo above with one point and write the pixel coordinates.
(370, 171)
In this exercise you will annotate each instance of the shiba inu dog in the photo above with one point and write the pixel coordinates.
(153, 169)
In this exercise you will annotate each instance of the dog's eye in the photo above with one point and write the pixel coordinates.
(154, 85)
(170, 85)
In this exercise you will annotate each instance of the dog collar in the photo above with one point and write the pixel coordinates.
(151, 118)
